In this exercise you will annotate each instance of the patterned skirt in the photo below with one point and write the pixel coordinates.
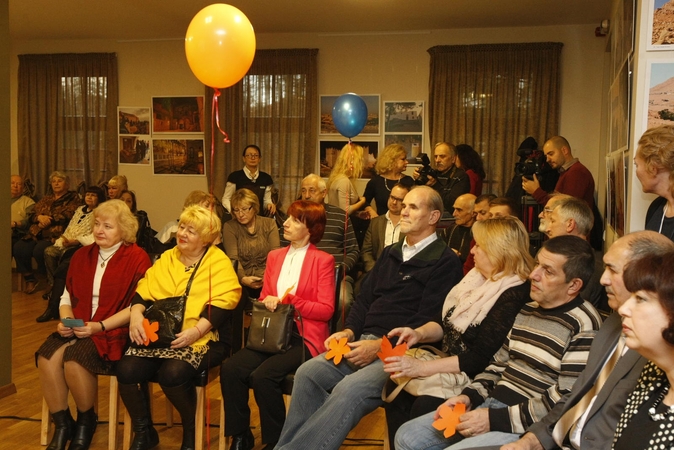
(81, 351)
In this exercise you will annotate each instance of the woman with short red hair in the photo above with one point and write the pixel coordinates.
(300, 275)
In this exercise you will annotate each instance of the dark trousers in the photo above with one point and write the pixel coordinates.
(407, 407)
(263, 372)
(23, 251)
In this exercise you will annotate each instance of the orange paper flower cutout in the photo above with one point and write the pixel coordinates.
(150, 331)
(338, 349)
(388, 350)
(449, 418)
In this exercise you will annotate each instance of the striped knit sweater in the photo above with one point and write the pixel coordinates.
(543, 354)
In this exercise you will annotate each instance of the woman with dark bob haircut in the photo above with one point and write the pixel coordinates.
(303, 276)
(648, 327)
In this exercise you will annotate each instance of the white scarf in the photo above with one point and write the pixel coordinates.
(473, 298)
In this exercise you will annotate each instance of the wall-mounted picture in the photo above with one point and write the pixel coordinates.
(133, 120)
(178, 114)
(373, 116)
(135, 149)
(615, 205)
(329, 151)
(403, 117)
(178, 156)
(620, 109)
(661, 25)
(411, 142)
(660, 106)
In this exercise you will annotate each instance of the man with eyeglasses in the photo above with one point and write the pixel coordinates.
(250, 177)
(384, 230)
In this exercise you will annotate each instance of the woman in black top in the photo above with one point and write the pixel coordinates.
(390, 166)
(476, 317)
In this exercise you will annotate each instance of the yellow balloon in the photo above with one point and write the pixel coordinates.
(220, 45)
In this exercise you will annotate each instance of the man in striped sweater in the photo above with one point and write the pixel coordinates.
(538, 363)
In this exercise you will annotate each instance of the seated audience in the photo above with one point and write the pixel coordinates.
(406, 288)
(648, 327)
(145, 237)
(250, 177)
(470, 161)
(167, 235)
(384, 230)
(457, 235)
(21, 210)
(391, 163)
(571, 423)
(476, 317)
(504, 206)
(248, 239)
(300, 275)
(214, 289)
(544, 215)
(57, 257)
(482, 206)
(116, 186)
(542, 356)
(654, 163)
(571, 216)
(50, 217)
(100, 284)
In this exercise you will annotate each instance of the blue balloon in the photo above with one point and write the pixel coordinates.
(349, 114)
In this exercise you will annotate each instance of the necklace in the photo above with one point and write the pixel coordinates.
(104, 260)
(396, 182)
(660, 416)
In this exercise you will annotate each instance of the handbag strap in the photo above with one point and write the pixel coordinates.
(189, 282)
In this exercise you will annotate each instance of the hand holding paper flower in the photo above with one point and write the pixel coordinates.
(150, 331)
(338, 349)
(449, 418)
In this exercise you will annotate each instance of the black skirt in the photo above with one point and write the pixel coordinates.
(80, 351)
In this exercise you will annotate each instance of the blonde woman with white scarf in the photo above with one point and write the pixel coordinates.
(476, 317)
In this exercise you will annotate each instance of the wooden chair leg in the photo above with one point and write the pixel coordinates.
(199, 419)
(46, 421)
(126, 438)
(222, 440)
(113, 412)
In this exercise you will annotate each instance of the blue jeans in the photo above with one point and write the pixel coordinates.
(419, 434)
(328, 401)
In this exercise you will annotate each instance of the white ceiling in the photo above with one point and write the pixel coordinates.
(168, 19)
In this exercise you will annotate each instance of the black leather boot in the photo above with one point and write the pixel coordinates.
(86, 427)
(184, 398)
(64, 430)
(243, 441)
(136, 398)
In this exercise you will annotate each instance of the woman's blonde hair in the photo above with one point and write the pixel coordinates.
(387, 159)
(349, 163)
(506, 243)
(196, 198)
(61, 175)
(656, 148)
(126, 220)
(206, 223)
(245, 196)
(120, 182)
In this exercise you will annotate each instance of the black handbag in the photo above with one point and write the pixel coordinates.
(270, 331)
(169, 313)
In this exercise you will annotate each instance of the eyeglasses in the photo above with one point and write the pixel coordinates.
(252, 156)
(395, 199)
(242, 210)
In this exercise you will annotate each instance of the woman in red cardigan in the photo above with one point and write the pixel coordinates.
(100, 283)
(301, 275)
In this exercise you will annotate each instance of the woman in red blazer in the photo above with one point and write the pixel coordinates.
(301, 275)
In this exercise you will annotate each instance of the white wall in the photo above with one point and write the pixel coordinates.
(394, 65)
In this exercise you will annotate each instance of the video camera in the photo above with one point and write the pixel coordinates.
(532, 162)
(426, 170)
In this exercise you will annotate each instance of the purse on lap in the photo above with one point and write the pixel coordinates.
(169, 313)
(441, 385)
(270, 331)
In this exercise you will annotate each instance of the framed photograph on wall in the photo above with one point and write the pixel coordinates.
(184, 115)
(411, 142)
(133, 120)
(403, 117)
(178, 156)
(329, 151)
(135, 149)
(373, 117)
(660, 98)
(619, 128)
(660, 25)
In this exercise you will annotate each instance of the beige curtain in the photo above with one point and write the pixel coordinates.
(492, 97)
(275, 107)
(67, 117)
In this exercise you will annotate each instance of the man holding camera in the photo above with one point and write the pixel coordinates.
(447, 179)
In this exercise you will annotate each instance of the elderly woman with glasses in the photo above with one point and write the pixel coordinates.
(250, 177)
(248, 238)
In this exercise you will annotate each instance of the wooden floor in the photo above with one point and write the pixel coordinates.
(20, 412)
